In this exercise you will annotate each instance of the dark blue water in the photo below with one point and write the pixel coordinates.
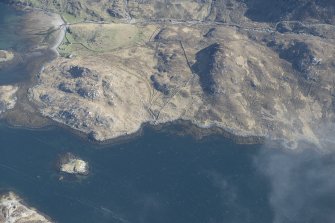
(155, 178)
(27, 61)
(10, 25)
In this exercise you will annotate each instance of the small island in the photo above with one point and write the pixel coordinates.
(6, 56)
(7, 97)
(71, 164)
(12, 209)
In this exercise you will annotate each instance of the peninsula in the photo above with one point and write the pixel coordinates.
(224, 64)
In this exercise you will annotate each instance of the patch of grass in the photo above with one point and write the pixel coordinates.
(100, 38)
(68, 18)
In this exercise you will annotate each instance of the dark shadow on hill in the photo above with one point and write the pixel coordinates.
(205, 62)
(278, 10)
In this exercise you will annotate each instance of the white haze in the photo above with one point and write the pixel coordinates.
(302, 180)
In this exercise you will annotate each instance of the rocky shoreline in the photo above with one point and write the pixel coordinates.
(14, 210)
(40, 51)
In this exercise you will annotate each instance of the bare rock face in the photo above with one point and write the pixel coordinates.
(13, 210)
(118, 10)
(71, 164)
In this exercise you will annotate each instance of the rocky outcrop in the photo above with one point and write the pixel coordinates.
(300, 55)
(74, 7)
(206, 66)
(13, 210)
(71, 164)
(79, 85)
(166, 77)
(119, 10)
(6, 56)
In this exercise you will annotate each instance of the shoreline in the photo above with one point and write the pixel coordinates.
(196, 130)
(61, 27)
(26, 113)
(58, 22)
(17, 209)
